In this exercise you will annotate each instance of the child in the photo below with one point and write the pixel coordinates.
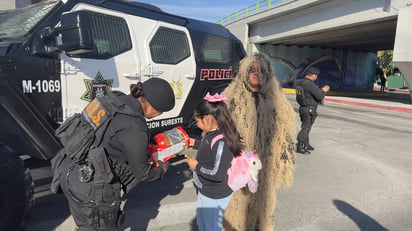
(211, 163)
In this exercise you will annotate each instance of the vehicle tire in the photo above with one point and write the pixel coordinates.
(16, 191)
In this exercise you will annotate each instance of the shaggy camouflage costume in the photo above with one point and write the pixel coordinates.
(269, 129)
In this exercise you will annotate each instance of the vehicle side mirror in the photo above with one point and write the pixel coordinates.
(75, 33)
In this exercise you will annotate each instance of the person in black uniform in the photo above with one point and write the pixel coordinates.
(308, 96)
(95, 203)
(382, 78)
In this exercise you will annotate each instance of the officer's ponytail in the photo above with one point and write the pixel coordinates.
(136, 90)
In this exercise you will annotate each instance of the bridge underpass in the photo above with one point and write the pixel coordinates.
(345, 34)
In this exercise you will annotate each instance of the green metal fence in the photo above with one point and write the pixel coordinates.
(251, 10)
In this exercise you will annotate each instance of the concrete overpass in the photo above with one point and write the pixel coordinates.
(346, 25)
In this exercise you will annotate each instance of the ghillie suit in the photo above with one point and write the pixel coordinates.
(269, 129)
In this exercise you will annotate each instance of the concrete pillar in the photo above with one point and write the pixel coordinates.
(402, 51)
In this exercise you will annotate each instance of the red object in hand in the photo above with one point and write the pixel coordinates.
(168, 144)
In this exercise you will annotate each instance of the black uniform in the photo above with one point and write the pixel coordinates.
(119, 161)
(382, 78)
(308, 96)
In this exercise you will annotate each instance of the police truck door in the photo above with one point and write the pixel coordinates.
(172, 58)
(112, 65)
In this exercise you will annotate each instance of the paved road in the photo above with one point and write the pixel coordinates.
(358, 178)
(167, 204)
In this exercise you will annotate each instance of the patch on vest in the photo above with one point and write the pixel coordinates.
(95, 113)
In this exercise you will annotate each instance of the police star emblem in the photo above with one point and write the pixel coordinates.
(96, 87)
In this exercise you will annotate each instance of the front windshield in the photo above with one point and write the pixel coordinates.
(17, 22)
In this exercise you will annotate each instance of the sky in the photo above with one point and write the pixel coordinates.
(206, 10)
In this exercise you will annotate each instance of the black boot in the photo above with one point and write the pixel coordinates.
(301, 149)
(309, 147)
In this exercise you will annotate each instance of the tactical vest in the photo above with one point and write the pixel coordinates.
(81, 136)
(300, 92)
(84, 131)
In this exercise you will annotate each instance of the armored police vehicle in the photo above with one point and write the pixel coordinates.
(56, 56)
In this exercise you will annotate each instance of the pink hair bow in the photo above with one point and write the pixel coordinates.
(215, 98)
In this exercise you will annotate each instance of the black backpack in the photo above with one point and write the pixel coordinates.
(83, 131)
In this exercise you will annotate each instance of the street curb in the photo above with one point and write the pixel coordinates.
(355, 103)
(344, 93)
(371, 105)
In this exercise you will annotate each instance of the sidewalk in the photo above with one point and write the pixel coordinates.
(394, 100)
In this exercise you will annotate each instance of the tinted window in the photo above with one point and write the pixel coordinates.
(169, 46)
(110, 35)
(216, 49)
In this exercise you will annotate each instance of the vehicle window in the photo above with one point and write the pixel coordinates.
(217, 49)
(18, 22)
(110, 35)
(169, 46)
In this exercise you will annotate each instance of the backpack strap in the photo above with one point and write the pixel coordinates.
(215, 139)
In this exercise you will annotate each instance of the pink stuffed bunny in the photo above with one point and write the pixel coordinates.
(254, 166)
(244, 171)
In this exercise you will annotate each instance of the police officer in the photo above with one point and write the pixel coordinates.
(308, 96)
(92, 185)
